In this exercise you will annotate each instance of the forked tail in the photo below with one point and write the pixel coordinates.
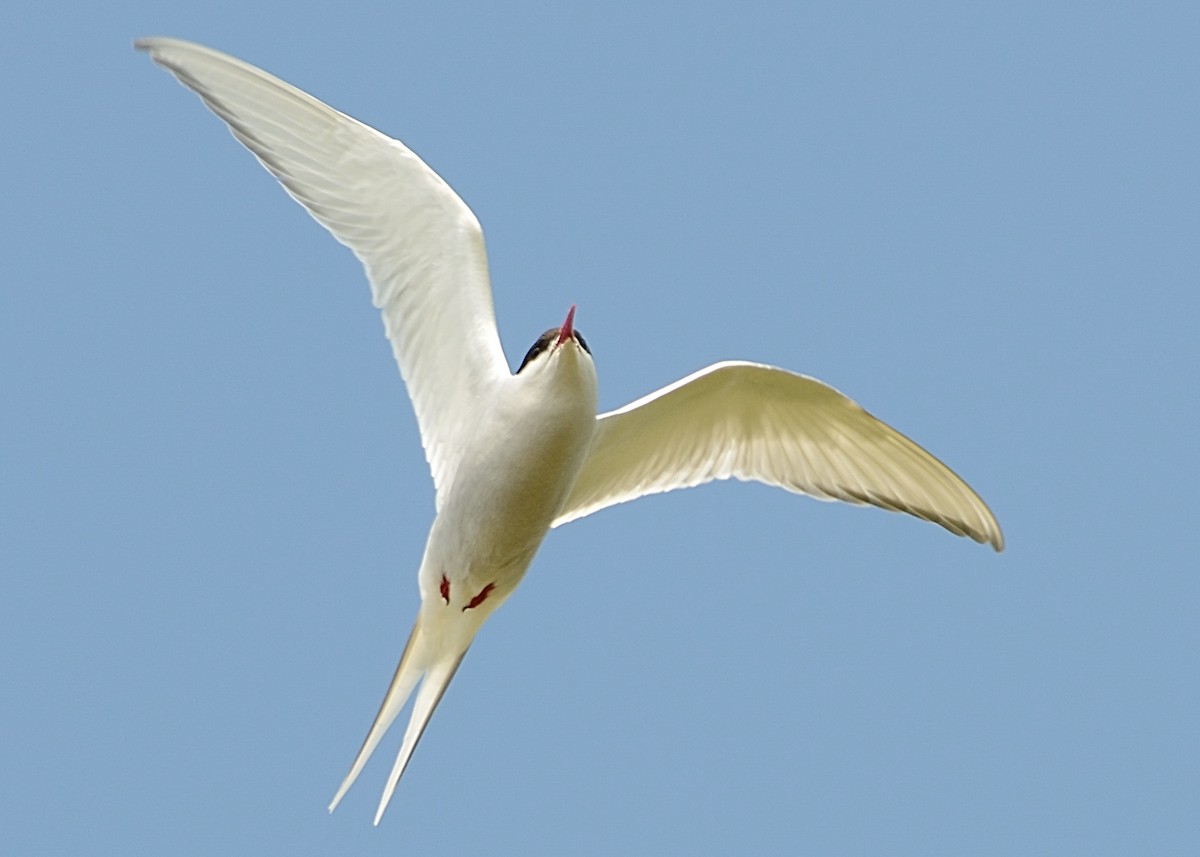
(434, 678)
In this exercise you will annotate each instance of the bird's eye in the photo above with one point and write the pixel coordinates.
(543, 342)
(582, 342)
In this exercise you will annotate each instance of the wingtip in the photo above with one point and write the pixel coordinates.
(147, 43)
(991, 534)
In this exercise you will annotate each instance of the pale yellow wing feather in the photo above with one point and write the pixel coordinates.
(754, 422)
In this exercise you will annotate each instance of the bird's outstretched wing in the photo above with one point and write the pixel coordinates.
(421, 246)
(755, 422)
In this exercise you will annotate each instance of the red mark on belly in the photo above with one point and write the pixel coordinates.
(480, 598)
(445, 589)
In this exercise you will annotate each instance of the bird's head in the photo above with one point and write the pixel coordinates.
(560, 349)
(557, 372)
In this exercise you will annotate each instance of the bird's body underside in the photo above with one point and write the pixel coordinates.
(513, 455)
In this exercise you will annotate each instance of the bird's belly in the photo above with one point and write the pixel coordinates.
(502, 504)
(501, 530)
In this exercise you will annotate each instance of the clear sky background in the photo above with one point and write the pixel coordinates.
(981, 221)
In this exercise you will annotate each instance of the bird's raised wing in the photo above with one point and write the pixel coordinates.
(421, 246)
(755, 422)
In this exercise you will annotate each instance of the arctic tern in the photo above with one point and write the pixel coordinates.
(514, 454)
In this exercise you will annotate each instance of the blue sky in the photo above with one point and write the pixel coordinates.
(981, 221)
